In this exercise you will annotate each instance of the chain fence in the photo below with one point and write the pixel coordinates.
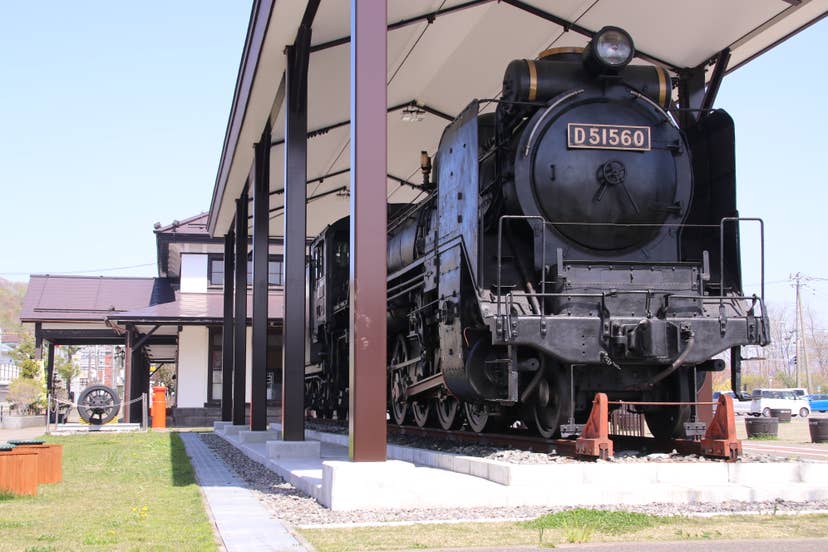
(58, 411)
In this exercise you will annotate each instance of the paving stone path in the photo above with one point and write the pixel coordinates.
(242, 521)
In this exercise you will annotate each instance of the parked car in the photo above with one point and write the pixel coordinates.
(818, 402)
(740, 408)
(764, 400)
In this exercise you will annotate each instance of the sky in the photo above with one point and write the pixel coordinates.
(113, 116)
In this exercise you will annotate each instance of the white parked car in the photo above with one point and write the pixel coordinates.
(740, 408)
(764, 400)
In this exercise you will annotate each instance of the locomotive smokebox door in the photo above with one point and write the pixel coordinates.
(457, 228)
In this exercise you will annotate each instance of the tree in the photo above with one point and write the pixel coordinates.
(67, 370)
(27, 393)
(66, 367)
(24, 356)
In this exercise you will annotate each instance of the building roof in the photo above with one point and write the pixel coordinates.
(195, 225)
(89, 298)
(194, 308)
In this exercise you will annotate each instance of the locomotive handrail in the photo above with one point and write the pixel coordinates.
(500, 253)
(705, 299)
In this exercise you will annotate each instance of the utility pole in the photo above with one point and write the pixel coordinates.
(801, 350)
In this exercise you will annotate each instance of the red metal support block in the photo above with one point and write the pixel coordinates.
(720, 440)
(594, 439)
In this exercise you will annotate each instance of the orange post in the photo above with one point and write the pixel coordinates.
(594, 439)
(720, 439)
(159, 407)
(18, 471)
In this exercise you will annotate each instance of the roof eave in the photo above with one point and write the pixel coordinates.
(253, 43)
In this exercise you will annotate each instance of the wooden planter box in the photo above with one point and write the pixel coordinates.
(49, 463)
(18, 471)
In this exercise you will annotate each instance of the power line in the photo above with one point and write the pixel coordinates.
(90, 271)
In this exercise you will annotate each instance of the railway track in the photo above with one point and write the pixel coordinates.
(522, 440)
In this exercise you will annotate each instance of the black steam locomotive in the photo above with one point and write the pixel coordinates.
(573, 241)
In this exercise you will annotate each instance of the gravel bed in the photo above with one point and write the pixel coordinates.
(296, 508)
(515, 456)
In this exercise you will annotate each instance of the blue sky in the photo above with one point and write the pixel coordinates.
(113, 117)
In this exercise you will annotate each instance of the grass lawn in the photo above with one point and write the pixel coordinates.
(566, 527)
(131, 491)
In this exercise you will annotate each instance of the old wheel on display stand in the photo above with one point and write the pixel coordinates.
(98, 404)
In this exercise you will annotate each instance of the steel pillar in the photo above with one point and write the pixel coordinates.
(296, 154)
(240, 319)
(261, 223)
(367, 344)
(50, 368)
(138, 383)
(128, 383)
(38, 332)
(227, 331)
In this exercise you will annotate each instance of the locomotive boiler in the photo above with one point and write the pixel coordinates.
(574, 240)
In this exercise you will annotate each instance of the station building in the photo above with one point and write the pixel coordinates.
(174, 318)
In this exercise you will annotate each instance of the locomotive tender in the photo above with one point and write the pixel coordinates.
(574, 241)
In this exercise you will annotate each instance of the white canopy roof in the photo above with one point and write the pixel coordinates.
(445, 62)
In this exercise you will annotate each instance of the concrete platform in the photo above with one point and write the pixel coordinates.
(419, 478)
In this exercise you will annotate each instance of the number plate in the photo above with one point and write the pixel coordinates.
(614, 137)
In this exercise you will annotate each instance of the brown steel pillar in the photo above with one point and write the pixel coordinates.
(38, 341)
(240, 322)
(128, 383)
(368, 239)
(50, 368)
(296, 150)
(261, 224)
(227, 331)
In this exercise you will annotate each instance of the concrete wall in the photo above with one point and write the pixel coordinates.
(192, 366)
(193, 273)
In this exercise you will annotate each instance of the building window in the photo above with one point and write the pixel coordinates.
(215, 271)
(215, 369)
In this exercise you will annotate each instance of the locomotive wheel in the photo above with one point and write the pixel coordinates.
(98, 404)
(399, 383)
(667, 422)
(552, 406)
(447, 410)
(481, 419)
(422, 412)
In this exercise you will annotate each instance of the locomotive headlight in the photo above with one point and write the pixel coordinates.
(610, 51)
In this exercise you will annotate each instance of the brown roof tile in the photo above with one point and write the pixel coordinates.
(85, 297)
(198, 308)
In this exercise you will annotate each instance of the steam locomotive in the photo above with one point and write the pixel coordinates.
(575, 240)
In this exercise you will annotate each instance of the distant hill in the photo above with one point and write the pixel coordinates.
(11, 301)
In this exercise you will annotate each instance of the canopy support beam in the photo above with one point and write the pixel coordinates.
(227, 331)
(261, 187)
(295, 227)
(367, 343)
(240, 319)
(715, 81)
